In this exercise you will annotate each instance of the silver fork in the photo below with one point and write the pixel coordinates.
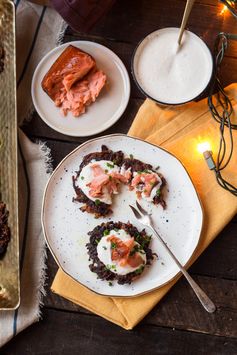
(145, 218)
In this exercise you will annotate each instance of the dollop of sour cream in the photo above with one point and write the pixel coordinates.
(86, 176)
(104, 253)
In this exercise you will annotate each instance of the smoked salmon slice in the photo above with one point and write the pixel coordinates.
(148, 180)
(81, 94)
(121, 252)
(73, 82)
(72, 65)
(109, 180)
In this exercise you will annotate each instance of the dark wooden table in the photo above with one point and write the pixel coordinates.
(178, 324)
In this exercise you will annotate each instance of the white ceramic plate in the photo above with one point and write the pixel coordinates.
(100, 115)
(66, 227)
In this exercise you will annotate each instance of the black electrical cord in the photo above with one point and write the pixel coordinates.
(221, 111)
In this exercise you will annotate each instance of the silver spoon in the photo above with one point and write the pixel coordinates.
(145, 218)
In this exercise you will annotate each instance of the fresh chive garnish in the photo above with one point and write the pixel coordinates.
(111, 166)
(113, 245)
(139, 270)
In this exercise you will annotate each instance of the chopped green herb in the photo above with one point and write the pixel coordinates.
(139, 270)
(113, 245)
(145, 190)
(82, 177)
(110, 165)
(132, 252)
(113, 267)
(108, 267)
(97, 202)
(116, 229)
(143, 240)
(97, 241)
(104, 247)
(158, 192)
(146, 171)
(136, 248)
(110, 283)
(106, 171)
(152, 183)
(106, 232)
(110, 178)
(131, 156)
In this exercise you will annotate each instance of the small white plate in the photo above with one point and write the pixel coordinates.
(100, 115)
(66, 227)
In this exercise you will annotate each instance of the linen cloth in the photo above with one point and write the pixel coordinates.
(177, 129)
(37, 31)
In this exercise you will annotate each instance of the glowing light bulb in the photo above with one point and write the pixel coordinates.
(224, 9)
(203, 147)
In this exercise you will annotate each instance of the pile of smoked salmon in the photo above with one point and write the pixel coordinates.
(73, 82)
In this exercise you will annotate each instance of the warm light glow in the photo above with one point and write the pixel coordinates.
(224, 9)
(203, 147)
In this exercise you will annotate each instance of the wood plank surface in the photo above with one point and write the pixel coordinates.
(178, 324)
(69, 333)
(130, 21)
(175, 309)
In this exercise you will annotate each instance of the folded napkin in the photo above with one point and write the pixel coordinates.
(177, 129)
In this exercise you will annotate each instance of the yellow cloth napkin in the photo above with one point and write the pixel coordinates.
(177, 129)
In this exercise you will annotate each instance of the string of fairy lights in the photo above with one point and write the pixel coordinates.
(230, 5)
(221, 108)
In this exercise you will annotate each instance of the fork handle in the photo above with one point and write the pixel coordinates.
(203, 298)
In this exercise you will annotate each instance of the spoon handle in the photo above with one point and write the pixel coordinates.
(201, 295)
(188, 8)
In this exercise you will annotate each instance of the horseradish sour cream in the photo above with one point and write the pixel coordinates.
(169, 73)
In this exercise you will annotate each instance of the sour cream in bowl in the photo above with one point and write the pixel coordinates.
(171, 74)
